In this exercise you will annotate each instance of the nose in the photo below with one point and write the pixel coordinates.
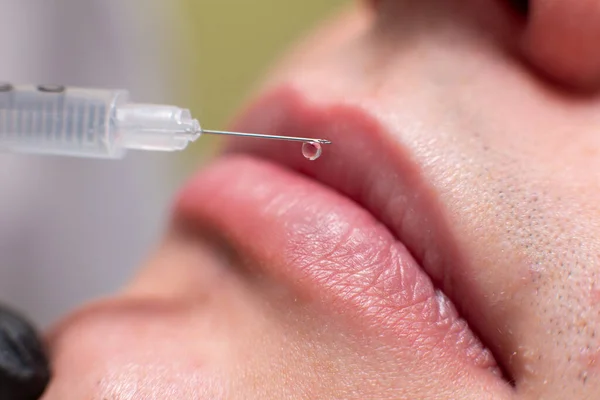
(562, 39)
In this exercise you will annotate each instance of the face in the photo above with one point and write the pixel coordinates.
(445, 245)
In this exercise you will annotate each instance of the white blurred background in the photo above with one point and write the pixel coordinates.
(72, 230)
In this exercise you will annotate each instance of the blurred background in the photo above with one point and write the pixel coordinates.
(229, 45)
(75, 230)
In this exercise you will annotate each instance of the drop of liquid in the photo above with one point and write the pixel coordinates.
(312, 150)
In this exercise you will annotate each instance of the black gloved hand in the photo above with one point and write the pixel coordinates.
(24, 368)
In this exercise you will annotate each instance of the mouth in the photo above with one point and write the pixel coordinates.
(359, 229)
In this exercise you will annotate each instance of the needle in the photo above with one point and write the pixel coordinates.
(272, 137)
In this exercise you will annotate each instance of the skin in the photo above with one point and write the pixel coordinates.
(446, 245)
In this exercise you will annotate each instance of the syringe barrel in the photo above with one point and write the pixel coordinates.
(88, 122)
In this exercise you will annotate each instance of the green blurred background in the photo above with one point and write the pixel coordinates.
(229, 45)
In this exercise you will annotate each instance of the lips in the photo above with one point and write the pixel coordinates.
(364, 163)
(356, 230)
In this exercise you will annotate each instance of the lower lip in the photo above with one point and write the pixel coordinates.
(301, 232)
(324, 250)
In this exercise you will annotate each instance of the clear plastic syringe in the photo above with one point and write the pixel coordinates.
(59, 120)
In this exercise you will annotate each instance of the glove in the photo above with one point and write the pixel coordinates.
(24, 367)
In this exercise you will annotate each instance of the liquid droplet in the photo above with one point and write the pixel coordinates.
(312, 150)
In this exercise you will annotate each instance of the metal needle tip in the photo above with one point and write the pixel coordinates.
(272, 137)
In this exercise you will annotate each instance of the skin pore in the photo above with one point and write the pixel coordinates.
(446, 245)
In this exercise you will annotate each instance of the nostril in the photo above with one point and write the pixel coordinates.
(561, 41)
(520, 6)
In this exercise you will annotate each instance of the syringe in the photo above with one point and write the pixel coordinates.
(59, 120)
